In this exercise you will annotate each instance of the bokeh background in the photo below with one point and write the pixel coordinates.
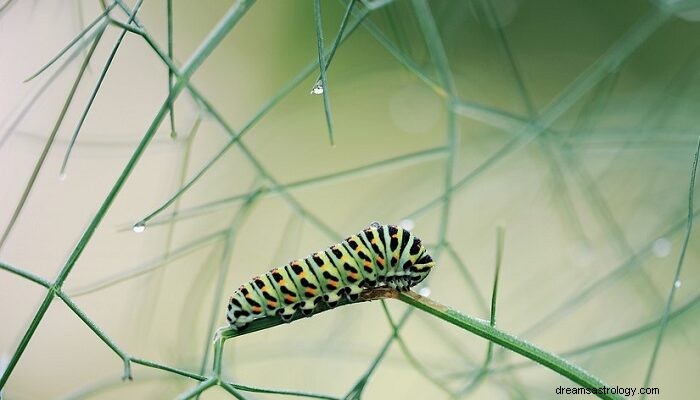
(571, 125)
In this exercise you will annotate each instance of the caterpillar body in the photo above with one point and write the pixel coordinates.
(378, 256)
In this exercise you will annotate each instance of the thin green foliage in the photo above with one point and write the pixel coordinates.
(34, 97)
(49, 142)
(479, 327)
(618, 338)
(606, 64)
(171, 74)
(413, 360)
(323, 88)
(94, 24)
(352, 173)
(224, 267)
(484, 370)
(524, 129)
(219, 32)
(95, 90)
(677, 275)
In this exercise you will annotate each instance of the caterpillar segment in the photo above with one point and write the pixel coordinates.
(329, 277)
(357, 248)
(349, 271)
(378, 256)
(287, 292)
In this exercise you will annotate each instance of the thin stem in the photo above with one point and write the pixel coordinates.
(169, 6)
(477, 326)
(439, 58)
(221, 30)
(125, 357)
(616, 339)
(100, 18)
(484, 370)
(201, 387)
(484, 329)
(415, 363)
(352, 173)
(49, 141)
(95, 90)
(338, 37)
(322, 68)
(676, 277)
(25, 274)
(149, 266)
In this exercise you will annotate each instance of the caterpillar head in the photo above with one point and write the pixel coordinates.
(421, 268)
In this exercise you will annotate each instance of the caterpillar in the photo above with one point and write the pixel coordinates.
(378, 256)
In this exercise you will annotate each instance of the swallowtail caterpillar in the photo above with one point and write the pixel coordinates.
(378, 256)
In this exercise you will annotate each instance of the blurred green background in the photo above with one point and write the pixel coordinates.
(573, 127)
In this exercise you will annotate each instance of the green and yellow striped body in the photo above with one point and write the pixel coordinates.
(379, 256)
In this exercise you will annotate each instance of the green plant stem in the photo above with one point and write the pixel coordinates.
(616, 339)
(338, 37)
(484, 329)
(413, 360)
(224, 267)
(235, 138)
(677, 274)
(200, 388)
(171, 107)
(100, 18)
(96, 89)
(149, 266)
(149, 303)
(215, 37)
(477, 326)
(25, 274)
(439, 58)
(24, 110)
(484, 370)
(322, 67)
(363, 170)
(356, 391)
(187, 374)
(49, 142)
(125, 357)
(606, 64)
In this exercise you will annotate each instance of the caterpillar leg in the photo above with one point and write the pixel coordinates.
(307, 307)
(352, 293)
(287, 313)
(332, 298)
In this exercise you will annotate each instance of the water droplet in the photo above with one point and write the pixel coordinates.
(424, 291)
(139, 227)
(677, 284)
(661, 247)
(62, 176)
(318, 88)
(375, 224)
(407, 224)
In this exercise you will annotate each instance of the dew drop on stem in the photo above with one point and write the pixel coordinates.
(318, 88)
(139, 227)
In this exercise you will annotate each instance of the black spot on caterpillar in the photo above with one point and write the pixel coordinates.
(380, 255)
